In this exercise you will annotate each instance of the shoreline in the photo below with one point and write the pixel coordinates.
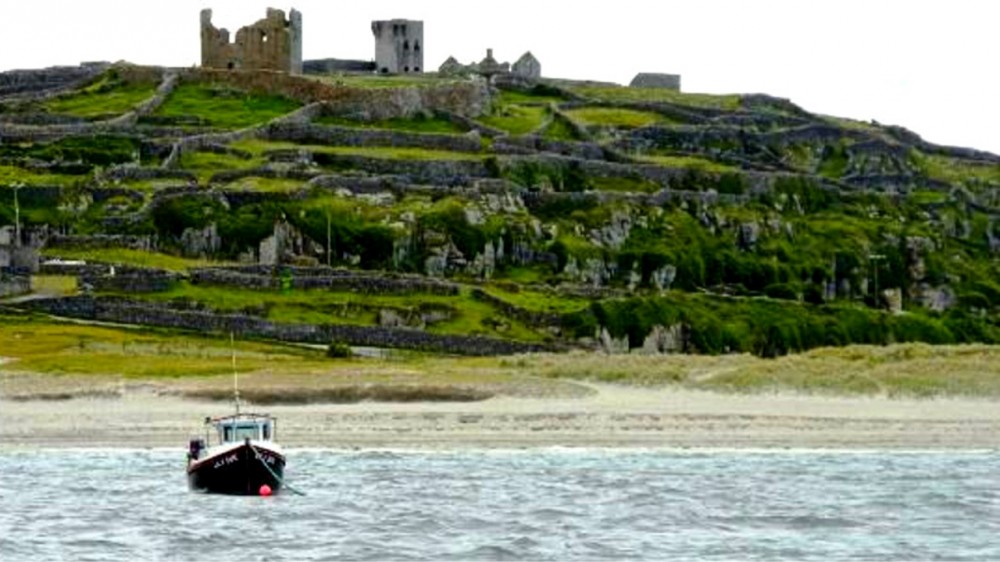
(611, 417)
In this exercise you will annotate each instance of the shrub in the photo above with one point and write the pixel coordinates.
(781, 291)
(813, 294)
(732, 183)
(918, 328)
(176, 215)
(246, 226)
(339, 350)
(449, 217)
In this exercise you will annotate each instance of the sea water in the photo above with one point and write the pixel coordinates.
(547, 504)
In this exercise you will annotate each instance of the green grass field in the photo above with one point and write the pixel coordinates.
(691, 162)
(419, 124)
(137, 258)
(104, 98)
(625, 94)
(11, 175)
(615, 117)
(467, 315)
(259, 147)
(516, 119)
(225, 108)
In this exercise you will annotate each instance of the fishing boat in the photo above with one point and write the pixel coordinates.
(242, 459)
(238, 454)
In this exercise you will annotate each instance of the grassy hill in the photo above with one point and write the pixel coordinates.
(557, 216)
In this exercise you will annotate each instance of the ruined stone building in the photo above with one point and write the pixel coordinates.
(399, 46)
(273, 43)
(526, 68)
(489, 66)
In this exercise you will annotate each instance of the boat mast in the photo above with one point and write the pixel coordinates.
(236, 377)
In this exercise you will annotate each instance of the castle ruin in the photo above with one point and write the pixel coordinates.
(399, 46)
(273, 43)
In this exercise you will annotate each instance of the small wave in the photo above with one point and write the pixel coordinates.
(552, 513)
(788, 521)
(486, 552)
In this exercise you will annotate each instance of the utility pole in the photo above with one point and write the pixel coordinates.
(17, 218)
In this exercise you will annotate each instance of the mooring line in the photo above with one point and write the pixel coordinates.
(278, 478)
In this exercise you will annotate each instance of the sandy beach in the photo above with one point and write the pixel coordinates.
(609, 416)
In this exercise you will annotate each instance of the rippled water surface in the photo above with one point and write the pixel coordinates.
(542, 504)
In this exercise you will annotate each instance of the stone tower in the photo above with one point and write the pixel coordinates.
(272, 43)
(399, 46)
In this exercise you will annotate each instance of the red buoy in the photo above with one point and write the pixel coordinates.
(265, 490)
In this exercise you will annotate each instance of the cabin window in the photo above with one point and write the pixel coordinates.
(267, 431)
(244, 432)
(406, 45)
(227, 433)
(416, 45)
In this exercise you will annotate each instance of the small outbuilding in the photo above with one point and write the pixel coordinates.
(656, 80)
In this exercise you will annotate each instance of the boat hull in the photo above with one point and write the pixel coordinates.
(237, 470)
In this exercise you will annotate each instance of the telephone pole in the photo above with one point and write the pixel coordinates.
(17, 218)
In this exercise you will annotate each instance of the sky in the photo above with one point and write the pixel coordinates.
(930, 66)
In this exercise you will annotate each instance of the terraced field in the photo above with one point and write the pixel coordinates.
(414, 213)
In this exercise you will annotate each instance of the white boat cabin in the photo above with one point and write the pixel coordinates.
(231, 431)
(240, 427)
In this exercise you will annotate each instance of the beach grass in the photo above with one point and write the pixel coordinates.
(44, 348)
(901, 370)
(57, 360)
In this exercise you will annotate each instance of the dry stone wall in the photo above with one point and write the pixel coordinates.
(267, 277)
(11, 286)
(344, 136)
(44, 82)
(437, 172)
(103, 241)
(124, 311)
(464, 98)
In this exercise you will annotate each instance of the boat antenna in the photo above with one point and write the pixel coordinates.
(236, 376)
